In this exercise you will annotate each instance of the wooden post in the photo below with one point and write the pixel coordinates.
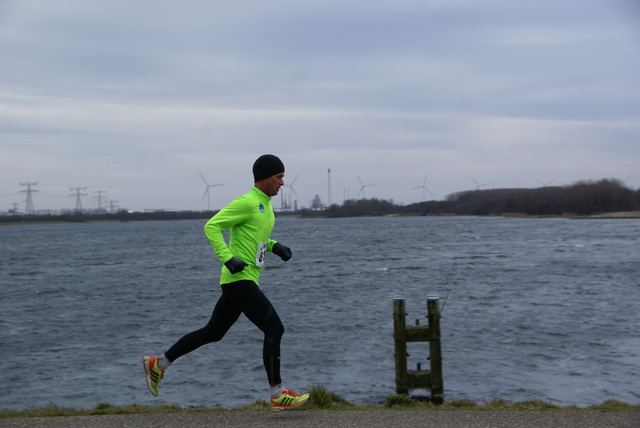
(399, 324)
(406, 379)
(435, 349)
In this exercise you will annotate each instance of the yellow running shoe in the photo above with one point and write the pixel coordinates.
(152, 373)
(288, 400)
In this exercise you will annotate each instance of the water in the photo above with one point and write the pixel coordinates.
(535, 309)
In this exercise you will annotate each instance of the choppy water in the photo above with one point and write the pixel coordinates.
(536, 309)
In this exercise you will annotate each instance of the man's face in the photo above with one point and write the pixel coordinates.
(272, 184)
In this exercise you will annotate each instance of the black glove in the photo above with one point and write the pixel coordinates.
(282, 251)
(235, 265)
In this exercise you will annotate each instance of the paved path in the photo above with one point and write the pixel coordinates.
(368, 419)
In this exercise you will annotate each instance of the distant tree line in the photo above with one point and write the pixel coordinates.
(581, 198)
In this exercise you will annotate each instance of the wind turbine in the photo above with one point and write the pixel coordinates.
(362, 188)
(292, 190)
(206, 191)
(423, 187)
(478, 186)
(546, 183)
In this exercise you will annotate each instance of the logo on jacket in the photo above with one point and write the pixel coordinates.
(261, 208)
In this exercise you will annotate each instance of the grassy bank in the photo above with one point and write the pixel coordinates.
(322, 399)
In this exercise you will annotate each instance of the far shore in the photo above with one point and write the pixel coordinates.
(623, 215)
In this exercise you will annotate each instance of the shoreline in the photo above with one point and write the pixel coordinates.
(622, 215)
(327, 409)
(322, 400)
(605, 216)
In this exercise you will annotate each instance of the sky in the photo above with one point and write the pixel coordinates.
(132, 103)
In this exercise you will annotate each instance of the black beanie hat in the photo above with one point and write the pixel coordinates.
(266, 166)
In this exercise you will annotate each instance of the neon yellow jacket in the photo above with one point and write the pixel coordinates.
(250, 219)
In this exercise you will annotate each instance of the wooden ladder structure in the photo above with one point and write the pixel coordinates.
(418, 379)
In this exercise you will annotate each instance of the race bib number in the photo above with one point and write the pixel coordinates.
(261, 253)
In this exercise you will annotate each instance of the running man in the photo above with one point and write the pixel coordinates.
(250, 219)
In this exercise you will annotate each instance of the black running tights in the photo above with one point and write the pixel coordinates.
(239, 297)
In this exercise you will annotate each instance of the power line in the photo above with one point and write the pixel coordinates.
(78, 196)
(29, 208)
(101, 194)
(112, 206)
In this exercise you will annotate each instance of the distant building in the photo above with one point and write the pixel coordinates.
(316, 204)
